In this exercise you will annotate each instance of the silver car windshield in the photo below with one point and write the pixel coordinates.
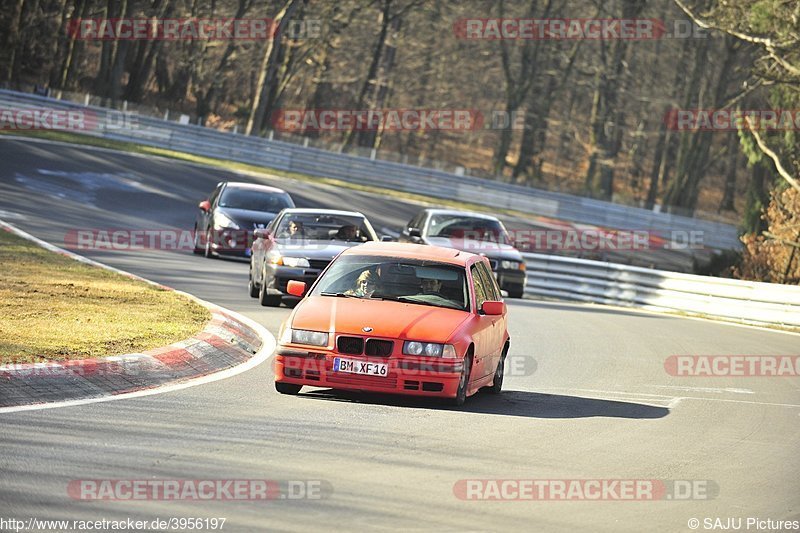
(322, 227)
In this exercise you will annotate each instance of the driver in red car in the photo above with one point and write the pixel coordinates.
(366, 284)
(431, 285)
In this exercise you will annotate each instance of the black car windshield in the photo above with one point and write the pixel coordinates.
(323, 227)
(466, 227)
(406, 280)
(254, 200)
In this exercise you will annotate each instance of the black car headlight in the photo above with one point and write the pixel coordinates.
(223, 222)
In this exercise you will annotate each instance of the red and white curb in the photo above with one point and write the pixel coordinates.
(228, 345)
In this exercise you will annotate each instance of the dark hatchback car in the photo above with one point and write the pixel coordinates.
(227, 219)
(472, 232)
(298, 245)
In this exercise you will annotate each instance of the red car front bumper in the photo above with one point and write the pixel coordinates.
(406, 375)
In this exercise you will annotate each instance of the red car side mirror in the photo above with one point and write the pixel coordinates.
(296, 288)
(205, 205)
(493, 308)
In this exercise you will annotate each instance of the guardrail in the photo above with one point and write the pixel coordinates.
(386, 174)
(610, 283)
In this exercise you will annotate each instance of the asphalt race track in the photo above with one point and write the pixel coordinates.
(598, 406)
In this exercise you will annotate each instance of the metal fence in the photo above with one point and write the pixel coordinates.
(429, 182)
(610, 283)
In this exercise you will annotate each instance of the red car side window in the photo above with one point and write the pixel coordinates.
(480, 290)
(489, 282)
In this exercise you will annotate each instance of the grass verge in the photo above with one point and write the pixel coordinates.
(54, 308)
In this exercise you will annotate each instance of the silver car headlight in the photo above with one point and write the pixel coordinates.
(312, 338)
(223, 222)
(509, 265)
(297, 262)
(429, 349)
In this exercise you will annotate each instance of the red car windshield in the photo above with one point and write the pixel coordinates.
(406, 280)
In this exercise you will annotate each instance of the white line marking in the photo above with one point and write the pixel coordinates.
(660, 397)
(12, 215)
(674, 403)
(706, 389)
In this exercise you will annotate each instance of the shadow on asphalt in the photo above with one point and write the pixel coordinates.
(509, 403)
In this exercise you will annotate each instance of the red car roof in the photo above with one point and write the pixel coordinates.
(412, 251)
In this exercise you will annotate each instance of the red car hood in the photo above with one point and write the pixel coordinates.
(386, 318)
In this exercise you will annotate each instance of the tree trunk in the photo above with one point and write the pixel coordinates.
(607, 117)
(372, 71)
(517, 85)
(266, 73)
(534, 135)
(695, 146)
(10, 42)
(380, 89)
(730, 173)
(108, 50)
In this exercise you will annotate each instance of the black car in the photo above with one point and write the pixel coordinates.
(298, 245)
(227, 219)
(472, 232)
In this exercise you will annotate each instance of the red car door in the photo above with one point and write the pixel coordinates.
(498, 322)
(482, 334)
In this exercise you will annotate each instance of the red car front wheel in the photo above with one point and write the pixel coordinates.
(463, 382)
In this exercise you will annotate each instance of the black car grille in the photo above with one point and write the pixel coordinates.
(379, 347)
(350, 345)
(319, 263)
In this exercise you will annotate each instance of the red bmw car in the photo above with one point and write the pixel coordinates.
(397, 318)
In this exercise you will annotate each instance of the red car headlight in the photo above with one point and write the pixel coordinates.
(429, 349)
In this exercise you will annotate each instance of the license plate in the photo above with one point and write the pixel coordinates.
(351, 366)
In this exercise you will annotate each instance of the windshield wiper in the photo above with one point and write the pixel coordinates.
(339, 295)
(413, 300)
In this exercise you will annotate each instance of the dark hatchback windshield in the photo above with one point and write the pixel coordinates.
(255, 200)
(386, 278)
(465, 227)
